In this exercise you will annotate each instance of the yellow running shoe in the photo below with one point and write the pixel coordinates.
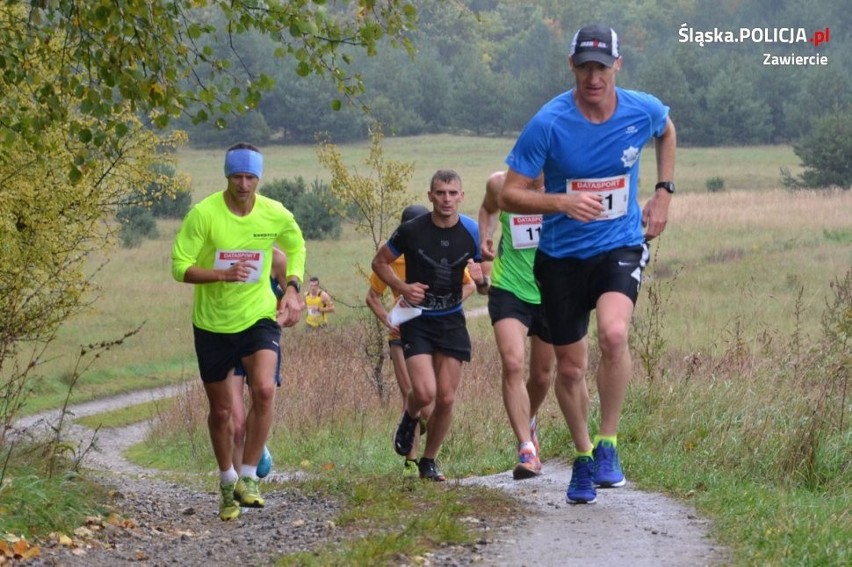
(409, 469)
(247, 492)
(229, 509)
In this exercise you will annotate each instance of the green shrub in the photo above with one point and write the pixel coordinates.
(715, 184)
(137, 224)
(174, 207)
(826, 154)
(161, 204)
(137, 214)
(314, 208)
(315, 219)
(286, 191)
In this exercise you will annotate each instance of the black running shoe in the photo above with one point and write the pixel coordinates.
(429, 470)
(403, 439)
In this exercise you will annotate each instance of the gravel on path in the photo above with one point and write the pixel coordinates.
(158, 522)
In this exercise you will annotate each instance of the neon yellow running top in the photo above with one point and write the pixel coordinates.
(211, 236)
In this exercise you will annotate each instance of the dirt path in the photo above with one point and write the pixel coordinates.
(625, 527)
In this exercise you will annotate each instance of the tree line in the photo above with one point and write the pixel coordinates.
(483, 67)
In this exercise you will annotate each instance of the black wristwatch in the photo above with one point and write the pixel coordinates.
(667, 185)
(295, 285)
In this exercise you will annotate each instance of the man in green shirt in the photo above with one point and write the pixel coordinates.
(514, 304)
(224, 246)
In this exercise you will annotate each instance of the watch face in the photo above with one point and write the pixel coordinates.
(667, 185)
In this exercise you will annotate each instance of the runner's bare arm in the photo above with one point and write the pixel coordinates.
(520, 194)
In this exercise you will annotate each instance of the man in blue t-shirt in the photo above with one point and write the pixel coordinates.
(592, 248)
(437, 248)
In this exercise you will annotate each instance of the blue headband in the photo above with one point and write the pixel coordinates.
(243, 161)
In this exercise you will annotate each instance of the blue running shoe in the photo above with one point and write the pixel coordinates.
(264, 465)
(608, 472)
(580, 489)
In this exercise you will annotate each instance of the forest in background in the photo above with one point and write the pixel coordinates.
(483, 67)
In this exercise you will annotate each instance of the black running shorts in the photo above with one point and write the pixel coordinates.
(218, 353)
(240, 371)
(446, 334)
(570, 288)
(504, 304)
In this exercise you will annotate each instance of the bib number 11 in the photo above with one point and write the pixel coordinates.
(526, 231)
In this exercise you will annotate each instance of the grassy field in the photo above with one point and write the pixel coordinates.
(739, 403)
(749, 168)
(725, 250)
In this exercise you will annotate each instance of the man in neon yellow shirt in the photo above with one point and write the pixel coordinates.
(224, 246)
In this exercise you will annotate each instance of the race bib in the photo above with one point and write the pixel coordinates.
(402, 312)
(526, 230)
(227, 258)
(614, 190)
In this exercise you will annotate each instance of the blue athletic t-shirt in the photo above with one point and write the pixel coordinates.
(578, 155)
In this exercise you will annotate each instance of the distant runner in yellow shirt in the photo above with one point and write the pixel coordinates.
(318, 304)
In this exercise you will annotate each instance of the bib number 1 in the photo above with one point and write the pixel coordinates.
(614, 191)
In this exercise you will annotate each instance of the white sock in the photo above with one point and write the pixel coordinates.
(249, 471)
(228, 476)
(527, 445)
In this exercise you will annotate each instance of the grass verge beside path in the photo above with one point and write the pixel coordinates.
(396, 518)
(757, 437)
(129, 415)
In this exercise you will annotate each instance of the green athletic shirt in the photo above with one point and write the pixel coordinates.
(512, 270)
(211, 236)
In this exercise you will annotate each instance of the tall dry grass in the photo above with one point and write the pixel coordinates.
(773, 403)
(756, 435)
(770, 210)
(329, 409)
(743, 257)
